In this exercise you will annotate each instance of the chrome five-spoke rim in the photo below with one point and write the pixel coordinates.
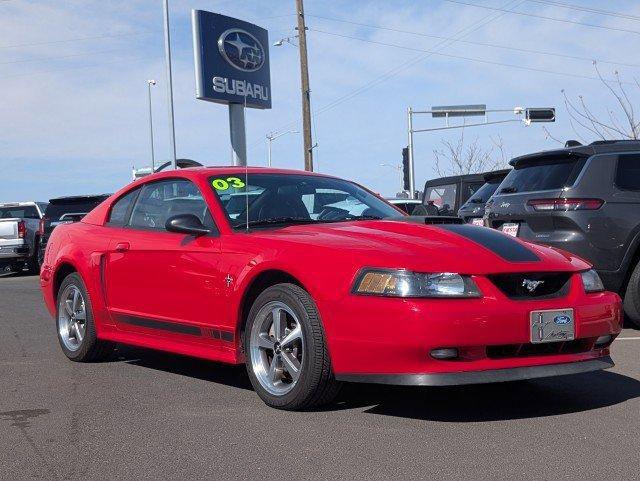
(72, 318)
(277, 348)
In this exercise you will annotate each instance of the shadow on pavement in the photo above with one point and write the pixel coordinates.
(491, 402)
(475, 403)
(235, 376)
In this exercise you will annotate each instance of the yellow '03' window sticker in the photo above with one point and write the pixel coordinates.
(224, 184)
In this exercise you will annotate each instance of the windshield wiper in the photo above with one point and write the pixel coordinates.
(277, 220)
(508, 190)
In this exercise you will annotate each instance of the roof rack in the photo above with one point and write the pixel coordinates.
(619, 141)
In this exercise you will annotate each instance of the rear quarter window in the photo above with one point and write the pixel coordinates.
(628, 172)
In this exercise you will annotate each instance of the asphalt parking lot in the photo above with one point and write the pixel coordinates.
(147, 415)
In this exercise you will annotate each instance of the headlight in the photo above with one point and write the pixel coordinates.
(591, 281)
(401, 283)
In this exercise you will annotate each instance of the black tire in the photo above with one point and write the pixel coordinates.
(632, 297)
(91, 348)
(34, 261)
(316, 385)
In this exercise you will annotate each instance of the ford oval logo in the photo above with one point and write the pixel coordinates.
(241, 50)
(562, 320)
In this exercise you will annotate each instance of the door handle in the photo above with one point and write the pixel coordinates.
(122, 247)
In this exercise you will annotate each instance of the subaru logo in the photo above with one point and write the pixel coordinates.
(531, 285)
(241, 50)
(562, 320)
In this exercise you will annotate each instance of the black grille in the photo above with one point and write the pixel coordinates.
(546, 349)
(533, 285)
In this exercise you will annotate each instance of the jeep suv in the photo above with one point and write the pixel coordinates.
(584, 199)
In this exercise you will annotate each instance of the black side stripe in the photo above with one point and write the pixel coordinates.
(162, 325)
(175, 327)
(503, 245)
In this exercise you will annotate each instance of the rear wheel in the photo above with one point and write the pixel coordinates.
(632, 297)
(286, 353)
(75, 325)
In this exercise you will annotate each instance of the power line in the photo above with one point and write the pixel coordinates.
(79, 67)
(461, 57)
(74, 39)
(594, 25)
(400, 68)
(581, 8)
(482, 44)
(45, 59)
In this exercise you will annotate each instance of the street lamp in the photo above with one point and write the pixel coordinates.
(153, 158)
(271, 136)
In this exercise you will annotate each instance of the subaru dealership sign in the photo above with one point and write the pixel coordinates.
(231, 60)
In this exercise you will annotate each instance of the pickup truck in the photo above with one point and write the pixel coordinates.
(19, 234)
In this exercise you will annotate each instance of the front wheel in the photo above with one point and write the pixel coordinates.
(286, 352)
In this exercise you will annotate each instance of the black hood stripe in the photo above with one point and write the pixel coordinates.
(497, 242)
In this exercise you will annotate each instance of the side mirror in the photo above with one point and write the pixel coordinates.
(186, 224)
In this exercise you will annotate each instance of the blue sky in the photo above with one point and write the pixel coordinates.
(73, 114)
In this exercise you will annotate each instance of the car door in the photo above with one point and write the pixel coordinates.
(158, 282)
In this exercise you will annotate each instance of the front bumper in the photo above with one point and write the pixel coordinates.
(374, 336)
(482, 377)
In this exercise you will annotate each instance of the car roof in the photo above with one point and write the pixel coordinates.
(597, 147)
(76, 198)
(19, 204)
(496, 175)
(453, 179)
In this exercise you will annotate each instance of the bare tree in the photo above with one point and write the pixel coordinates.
(621, 121)
(457, 158)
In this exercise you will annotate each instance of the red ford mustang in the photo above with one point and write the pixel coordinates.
(311, 280)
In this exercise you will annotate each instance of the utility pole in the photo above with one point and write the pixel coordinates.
(304, 83)
(167, 53)
(153, 157)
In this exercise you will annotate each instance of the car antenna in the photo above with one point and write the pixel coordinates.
(246, 174)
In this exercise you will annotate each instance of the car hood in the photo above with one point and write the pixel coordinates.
(465, 248)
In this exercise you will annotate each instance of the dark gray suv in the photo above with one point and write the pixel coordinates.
(584, 199)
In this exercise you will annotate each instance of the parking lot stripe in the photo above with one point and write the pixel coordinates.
(628, 339)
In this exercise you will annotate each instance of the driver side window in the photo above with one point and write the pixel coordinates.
(159, 201)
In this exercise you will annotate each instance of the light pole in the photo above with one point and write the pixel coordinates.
(153, 158)
(531, 115)
(167, 53)
(271, 136)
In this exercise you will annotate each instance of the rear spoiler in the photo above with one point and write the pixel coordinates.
(432, 219)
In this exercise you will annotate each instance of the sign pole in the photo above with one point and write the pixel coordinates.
(238, 134)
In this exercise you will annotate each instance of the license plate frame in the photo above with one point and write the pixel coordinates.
(479, 221)
(552, 325)
(510, 228)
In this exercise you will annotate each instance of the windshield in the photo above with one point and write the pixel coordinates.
(549, 175)
(270, 199)
(23, 212)
(482, 195)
